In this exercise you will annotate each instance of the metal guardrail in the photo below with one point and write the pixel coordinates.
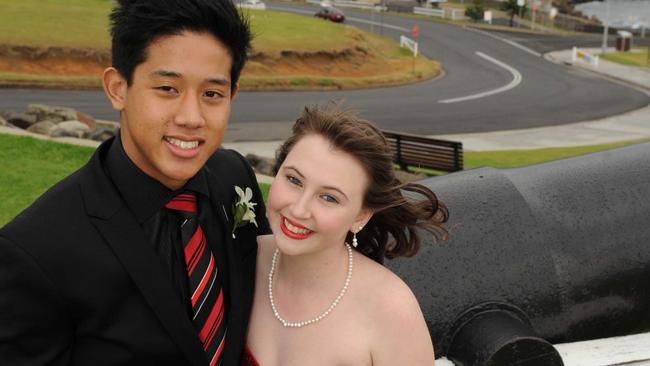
(448, 13)
(430, 12)
(347, 4)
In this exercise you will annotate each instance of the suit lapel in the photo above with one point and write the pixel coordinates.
(119, 228)
(239, 284)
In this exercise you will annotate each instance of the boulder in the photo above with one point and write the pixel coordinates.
(101, 134)
(70, 129)
(42, 127)
(261, 164)
(3, 122)
(53, 113)
(87, 119)
(21, 120)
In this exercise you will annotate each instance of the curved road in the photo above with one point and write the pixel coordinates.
(492, 82)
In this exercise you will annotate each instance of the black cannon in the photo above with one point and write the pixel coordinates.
(556, 252)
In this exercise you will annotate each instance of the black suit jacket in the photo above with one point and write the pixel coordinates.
(80, 284)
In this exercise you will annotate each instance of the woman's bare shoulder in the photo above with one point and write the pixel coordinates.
(396, 316)
(386, 290)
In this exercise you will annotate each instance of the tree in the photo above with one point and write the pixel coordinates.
(475, 11)
(511, 7)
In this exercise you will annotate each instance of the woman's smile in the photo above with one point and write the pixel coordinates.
(294, 230)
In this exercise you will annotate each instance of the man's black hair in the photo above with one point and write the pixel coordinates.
(135, 24)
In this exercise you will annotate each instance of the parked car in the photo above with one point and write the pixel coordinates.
(330, 13)
(252, 4)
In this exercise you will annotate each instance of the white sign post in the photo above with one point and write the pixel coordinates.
(410, 44)
(520, 4)
(487, 16)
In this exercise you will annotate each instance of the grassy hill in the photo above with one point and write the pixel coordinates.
(66, 42)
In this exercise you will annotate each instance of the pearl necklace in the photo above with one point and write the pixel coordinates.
(322, 315)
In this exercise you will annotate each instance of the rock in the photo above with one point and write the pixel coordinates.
(3, 122)
(70, 129)
(53, 113)
(101, 134)
(105, 123)
(42, 127)
(21, 120)
(87, 119)
(261, 164)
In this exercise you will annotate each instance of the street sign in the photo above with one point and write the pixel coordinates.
(521, 2)
(415, 31)
(410, 44)
(487, 16)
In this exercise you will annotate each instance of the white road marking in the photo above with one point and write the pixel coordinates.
(516, 79)
(512, 43)
(402, 29)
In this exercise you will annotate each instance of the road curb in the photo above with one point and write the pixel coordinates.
(552, 58)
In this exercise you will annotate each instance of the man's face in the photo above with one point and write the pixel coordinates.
(174, 114)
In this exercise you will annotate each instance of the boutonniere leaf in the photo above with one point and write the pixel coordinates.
(243, 211)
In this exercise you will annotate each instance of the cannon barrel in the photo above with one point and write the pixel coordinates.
(555, 252)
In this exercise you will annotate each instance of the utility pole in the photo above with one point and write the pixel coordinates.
(606, 28)
(381, 18)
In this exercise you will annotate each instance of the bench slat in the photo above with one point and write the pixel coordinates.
(424, 152)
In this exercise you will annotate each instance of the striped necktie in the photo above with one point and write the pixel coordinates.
(204, 285)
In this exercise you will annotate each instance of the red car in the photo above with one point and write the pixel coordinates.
(330, 13)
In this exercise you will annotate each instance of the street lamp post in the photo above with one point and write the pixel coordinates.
(606, 28)
(381, 18)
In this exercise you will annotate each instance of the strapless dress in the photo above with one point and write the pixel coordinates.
(249, 359)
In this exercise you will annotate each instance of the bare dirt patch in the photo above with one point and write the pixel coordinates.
(53, 61)
(344, 63)
(72, 62)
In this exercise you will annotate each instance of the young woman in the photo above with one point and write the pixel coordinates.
(336, 209)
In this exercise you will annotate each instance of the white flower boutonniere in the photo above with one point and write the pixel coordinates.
(243, 211)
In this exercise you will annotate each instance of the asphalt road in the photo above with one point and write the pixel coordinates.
(492, 81)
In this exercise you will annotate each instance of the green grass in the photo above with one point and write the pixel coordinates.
(84, 24)
(63, 23)
(424, 69)
(519, 158)
(30, 166)
(275, 31)
(636, 57)
(506, 159)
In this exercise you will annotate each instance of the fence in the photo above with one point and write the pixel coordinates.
(346, 4)
(447, 13)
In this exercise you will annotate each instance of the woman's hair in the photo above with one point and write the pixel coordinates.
(394, 214)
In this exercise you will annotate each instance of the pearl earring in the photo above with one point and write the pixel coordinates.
(355, 243)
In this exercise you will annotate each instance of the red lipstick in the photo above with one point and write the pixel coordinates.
(290, 233)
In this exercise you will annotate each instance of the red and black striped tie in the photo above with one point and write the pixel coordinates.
(204, 284)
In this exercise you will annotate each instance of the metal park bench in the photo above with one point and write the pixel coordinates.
(423, 152)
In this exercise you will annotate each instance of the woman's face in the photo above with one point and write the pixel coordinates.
(316, 197)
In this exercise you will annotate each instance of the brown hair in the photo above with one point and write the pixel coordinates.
(394, 214)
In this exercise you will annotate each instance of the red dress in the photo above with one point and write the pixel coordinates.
(248, 359)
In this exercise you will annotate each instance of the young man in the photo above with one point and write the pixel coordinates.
(138, 257)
